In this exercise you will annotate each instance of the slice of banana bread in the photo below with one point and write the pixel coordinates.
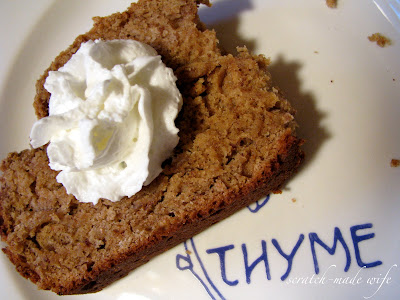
(237, 144)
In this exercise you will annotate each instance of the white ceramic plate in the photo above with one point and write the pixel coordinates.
(347, 93)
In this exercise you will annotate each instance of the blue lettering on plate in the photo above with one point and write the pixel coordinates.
(359, 238)
(192, 261)
(337, 237)
(289, 257)
(221, 253)
(263, 257)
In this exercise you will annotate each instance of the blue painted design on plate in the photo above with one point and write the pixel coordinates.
(256, 206)
(203, 277)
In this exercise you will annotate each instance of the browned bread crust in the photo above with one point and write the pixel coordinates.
(237, 144)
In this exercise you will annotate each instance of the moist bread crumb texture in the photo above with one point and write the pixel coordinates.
(237, 144)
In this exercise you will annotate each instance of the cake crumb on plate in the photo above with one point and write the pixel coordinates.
(331, 3)
(380, 39)
(394, 163)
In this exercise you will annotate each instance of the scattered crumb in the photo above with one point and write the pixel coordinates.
(316, 52)
(331, 3)
(188, 252)
(277, 192)
(394, 163)
(394, 79)
(331, 80)
(380, 39)
(294, 200)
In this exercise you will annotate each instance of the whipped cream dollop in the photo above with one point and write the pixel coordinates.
(111, 119)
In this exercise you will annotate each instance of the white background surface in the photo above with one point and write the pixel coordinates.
(347, 93)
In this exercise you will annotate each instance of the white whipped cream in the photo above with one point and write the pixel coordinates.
(111, 119)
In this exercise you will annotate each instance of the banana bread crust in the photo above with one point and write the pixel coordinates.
(237, 144)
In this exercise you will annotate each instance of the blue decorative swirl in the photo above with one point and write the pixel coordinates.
(189, 264)
(256, 206)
